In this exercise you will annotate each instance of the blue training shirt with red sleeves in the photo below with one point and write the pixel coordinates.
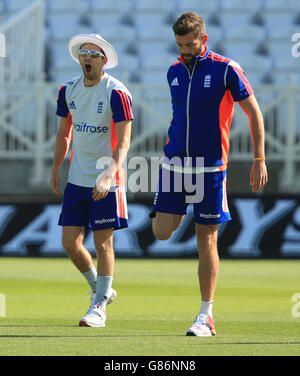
(203, 100)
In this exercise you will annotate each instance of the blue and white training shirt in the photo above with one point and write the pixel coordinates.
(93, 112)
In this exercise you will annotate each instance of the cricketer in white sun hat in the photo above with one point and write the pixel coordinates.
(78, 40)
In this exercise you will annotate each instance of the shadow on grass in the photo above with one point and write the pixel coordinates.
(211, 343)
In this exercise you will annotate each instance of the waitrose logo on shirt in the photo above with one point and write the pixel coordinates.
(86, 128)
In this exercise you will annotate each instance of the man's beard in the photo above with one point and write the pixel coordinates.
(188, 58)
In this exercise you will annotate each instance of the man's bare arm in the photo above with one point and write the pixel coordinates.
(63, 140)
(258, 174)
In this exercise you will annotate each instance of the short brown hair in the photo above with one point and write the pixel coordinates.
(188, 22)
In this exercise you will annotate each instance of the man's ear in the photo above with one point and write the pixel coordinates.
(204, 38)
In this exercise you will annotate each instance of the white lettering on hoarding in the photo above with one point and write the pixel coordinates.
(291, 237)
(42, 230)
(254, 223)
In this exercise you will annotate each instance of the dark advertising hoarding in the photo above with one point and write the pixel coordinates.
(261, 227)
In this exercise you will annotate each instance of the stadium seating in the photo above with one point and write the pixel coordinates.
(215, 36)
(66, 6)
(119, 33)
(280, 13)
(286, 71)
(63, 75)
(2, 7)
(150, 13)
(154, 68)
(109, 6)
(153, 41)
(62, 26)
(152, 6)
(12, 6)
(203, 7)
(256, 68)
(141, 32)
(242, 41)
(278, 41)
(121, 36)
(100, 20)
(127, 67)
(236, 13)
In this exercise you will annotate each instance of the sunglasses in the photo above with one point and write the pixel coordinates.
(92, 53)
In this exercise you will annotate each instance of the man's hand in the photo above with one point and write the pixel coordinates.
(258, 175)
(102, 188)
(54, 181)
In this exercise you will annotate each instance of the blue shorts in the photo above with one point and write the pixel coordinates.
(212, 207)
(79, 209)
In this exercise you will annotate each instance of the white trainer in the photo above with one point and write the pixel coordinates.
(203, 326)
(91, 318)
(95, 317)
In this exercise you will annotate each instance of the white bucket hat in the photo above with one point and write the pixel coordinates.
(78, 40)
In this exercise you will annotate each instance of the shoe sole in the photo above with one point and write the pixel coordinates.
(86, 324)
(192, 334)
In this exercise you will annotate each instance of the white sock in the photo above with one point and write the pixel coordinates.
(103, 290)
(206, 308)
(91, 277)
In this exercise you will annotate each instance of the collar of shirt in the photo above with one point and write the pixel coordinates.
(198, 58)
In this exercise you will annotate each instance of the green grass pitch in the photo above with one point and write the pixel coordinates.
(157, 301)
